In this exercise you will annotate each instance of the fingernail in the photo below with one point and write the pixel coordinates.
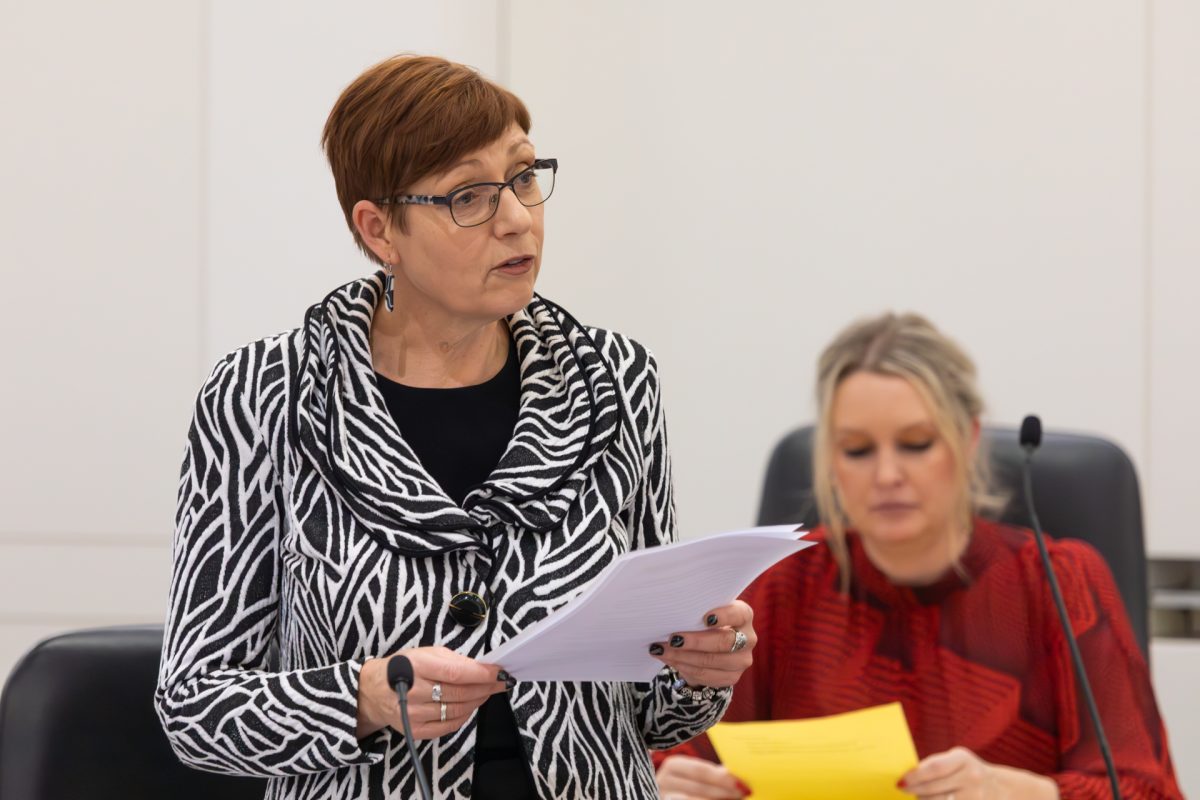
(656, 649)
(510, 683)
(711, 620)
(677, 641)
(900, 784)
(503, 676)
(743, 788)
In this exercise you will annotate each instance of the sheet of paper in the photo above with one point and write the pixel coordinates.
(643, 597)
(854, 756)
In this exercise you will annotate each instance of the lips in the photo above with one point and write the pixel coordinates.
(892, 508)
(516, 263)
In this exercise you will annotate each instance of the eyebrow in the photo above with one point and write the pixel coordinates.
(905, 429)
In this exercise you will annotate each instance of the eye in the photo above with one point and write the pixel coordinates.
(857, 452)
(916, 447)
(466, 198)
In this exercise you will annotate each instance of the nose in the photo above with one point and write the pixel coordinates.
(888, 471)
(512, 216)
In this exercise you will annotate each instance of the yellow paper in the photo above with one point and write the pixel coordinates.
(851, 756)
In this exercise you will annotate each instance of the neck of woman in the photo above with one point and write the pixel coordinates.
(919, 561)
(427, 349)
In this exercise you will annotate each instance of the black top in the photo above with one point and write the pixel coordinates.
(459, 436)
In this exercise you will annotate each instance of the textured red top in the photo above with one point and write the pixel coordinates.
(979, 662)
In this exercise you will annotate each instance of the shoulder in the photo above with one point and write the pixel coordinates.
(242, 372)
(1087, 584)
(1070, 557)
(623, 353)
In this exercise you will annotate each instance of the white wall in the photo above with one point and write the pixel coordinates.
(734, 188)
(100, 164)
(748, 181)
(1174, 278)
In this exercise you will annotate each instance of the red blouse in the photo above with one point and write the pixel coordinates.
(978, 661)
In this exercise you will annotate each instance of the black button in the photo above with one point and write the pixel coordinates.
(468, 609)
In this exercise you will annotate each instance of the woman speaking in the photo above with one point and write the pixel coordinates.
(436, 459)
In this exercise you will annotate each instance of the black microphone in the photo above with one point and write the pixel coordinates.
(400, 678)
(1031, 435)
(1031, 438)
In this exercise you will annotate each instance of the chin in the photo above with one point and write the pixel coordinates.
(897, 530)
(510, 300)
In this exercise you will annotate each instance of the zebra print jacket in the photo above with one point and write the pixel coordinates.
(305, 521)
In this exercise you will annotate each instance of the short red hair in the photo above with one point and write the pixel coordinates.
(408, 117)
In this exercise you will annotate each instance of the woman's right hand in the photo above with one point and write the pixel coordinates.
(688, 778)
(466, 685)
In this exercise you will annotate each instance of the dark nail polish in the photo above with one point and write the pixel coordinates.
(900, 784)
(510, 683)
(743, 788)
(656, 649)
(503, 676)
(677, 641)
(711, 620)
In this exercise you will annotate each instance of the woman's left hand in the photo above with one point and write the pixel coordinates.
(959, 774)
(716, 656)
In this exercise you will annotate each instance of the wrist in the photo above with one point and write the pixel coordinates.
(682, 690)
(370, 718)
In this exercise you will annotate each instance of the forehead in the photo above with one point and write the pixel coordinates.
(513, 142)
(869, 401)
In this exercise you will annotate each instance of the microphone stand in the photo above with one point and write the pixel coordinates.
(400, 677)
(1031, 437)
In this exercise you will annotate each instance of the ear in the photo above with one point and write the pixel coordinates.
(376, 231)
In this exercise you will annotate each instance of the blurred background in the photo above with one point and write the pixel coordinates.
(736, 184)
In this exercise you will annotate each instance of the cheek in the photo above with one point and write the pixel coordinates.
(451, 260)
(537, 228)
(853, 481)
(936, 479)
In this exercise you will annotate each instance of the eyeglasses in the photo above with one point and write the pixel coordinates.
(476, 204)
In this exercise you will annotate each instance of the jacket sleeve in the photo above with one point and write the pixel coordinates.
(664, 717)
(1120, 681)
(221, 705)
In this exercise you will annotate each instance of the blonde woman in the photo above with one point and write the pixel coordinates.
(913, 597)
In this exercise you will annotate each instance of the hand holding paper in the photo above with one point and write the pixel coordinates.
(641, 598)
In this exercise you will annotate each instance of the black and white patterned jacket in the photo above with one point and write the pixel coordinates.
(305, 520)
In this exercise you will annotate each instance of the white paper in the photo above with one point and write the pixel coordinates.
(603, 633)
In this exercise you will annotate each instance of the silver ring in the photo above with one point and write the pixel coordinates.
(739, 641)
(443, 717)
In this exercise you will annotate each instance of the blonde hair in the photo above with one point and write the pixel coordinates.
(906, 346)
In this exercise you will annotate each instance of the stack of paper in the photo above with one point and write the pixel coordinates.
(643, 597)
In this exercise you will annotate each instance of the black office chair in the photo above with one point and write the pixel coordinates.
(1084, 487)
(77, 721)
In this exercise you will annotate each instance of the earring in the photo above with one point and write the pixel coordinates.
(389, 283)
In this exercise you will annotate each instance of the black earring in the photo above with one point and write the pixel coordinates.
(468, 609)
(389, 284)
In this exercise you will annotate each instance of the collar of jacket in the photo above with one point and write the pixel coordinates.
(569, 416)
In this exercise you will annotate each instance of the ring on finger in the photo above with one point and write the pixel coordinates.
(443, 712)
(739, 641)
(437, 693)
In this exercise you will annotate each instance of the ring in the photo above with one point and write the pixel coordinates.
(437, 693)
(739, 641)
(443, 718)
